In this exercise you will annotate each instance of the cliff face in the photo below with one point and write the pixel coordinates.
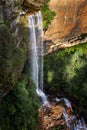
(70, 20)
(14, 40)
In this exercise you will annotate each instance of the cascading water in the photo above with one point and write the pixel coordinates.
(36, 65)
(71, 120)
(36, 54)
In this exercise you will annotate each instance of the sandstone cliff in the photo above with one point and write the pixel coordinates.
(70, 20)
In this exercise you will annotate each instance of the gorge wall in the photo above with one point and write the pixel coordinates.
(16, 108)
(16, 86)
(69, 22)
(14, 40)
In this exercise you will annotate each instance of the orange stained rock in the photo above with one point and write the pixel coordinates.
(50, 117)
(70, 20)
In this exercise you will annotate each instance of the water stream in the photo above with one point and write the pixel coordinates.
(71, 120)
(36, 67)
(36, 54)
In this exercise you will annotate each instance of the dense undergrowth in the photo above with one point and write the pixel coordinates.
(12, 55)
(19, 109)
(65, 76)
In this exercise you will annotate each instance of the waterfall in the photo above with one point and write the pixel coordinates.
(71, 120)
(36, 54)
(36, 67)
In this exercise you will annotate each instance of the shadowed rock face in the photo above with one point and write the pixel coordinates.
(70, 20)
(14, 40)
(31, 5)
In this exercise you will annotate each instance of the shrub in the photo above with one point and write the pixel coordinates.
(19, 110)
(69, 68)
(47, 14)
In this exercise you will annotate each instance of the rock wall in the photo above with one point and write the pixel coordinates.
(14, 40)
(70, 20)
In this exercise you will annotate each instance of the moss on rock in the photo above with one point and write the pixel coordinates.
(47, 14)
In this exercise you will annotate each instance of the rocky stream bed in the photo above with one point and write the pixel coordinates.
(59, 115)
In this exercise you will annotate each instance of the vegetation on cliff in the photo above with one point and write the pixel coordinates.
(65, 75)
(47, 14)
(12, 55)
(19, 109)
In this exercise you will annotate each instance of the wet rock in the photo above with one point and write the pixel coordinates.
(59, 114)
(50, 117)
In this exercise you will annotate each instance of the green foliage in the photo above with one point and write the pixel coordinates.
(6, 53)
(19, 110)
(69, 68)
(16, 3)
(48, 15)
(12, 57)
(1, 22)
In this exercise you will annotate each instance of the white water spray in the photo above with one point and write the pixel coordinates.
(36, 54)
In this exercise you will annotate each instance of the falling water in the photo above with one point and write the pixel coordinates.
(36, 54)
(36, 65)
(71, 120)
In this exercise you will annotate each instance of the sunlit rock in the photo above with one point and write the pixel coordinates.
(69, 22)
